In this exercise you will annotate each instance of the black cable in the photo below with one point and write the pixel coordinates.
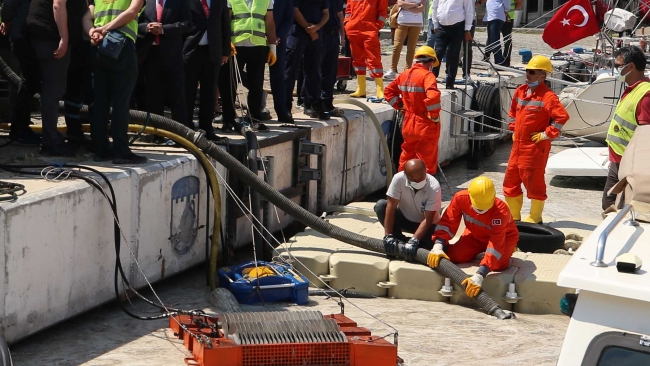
(118, 263)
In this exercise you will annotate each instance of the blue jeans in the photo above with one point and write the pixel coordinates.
(329, 65)
(494, 41)
(276, 74)
(114, 81)
(431, 37)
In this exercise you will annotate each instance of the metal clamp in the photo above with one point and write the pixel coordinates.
(307, 174)
(306, 147)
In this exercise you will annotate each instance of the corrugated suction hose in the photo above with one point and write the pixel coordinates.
(447, 268)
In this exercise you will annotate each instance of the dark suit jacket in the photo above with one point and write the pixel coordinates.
(176, 21)
(217, 26)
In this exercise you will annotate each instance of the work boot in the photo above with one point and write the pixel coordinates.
(361, 89)
(515, 203)
(536, 208)
(380, 87)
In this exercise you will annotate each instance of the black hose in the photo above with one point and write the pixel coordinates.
(256, 207)
(447, 268)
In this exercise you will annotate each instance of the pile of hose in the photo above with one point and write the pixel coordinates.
(447, 268)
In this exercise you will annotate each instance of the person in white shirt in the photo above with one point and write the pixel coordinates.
(409, 24)
(495, 16)
(452, 21)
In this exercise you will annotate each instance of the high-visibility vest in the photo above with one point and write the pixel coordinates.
(511, 13)
(249, 23)
(624, 122)
(106, 11)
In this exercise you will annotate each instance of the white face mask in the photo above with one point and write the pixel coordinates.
(418, 185)
(621, 77)
(480, 212)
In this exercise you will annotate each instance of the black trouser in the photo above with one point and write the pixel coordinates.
(114, 80)
(199, 69)
(302, 50)
(78, 89)
(449, 39)
(467, 54)
(254, 59)
(54, 73)
(401, 224)
(506, 31)
(164, 81)
(278, 87)
(329, 65)
(612, 179)
(30, 84)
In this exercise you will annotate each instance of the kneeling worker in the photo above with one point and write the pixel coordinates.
(489, 229)
(413, 205)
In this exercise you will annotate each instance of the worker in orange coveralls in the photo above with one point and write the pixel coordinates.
(536, 115)
(416, 93)
(362, 22)
(490, 232)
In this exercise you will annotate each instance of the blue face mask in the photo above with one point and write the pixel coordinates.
(534, 83)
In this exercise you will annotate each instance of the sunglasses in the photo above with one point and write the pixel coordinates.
(531, 72)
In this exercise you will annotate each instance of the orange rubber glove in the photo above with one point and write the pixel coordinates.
(473, 285)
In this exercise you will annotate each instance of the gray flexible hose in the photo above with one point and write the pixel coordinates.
(380, 132)
(447, 268)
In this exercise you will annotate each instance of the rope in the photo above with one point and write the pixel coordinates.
(250, 215)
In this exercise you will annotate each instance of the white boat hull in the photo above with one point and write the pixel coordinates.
(591, 108)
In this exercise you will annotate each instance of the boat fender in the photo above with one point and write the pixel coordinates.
(628, 263)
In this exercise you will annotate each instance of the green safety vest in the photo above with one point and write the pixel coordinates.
(249, 23)
(622, 126)
(107, 10)
(511, 13)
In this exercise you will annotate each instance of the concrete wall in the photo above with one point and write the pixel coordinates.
(58, 242)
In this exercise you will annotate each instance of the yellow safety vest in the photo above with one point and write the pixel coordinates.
(249, 23)
(622, 126)
(106, 11)
(511, 13)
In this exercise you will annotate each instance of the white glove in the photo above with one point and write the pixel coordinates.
(433, 259)
(273, 48)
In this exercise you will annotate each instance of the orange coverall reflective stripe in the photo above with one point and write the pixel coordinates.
(493, 232)
(416, 92)
(363, 20)
(540, 111)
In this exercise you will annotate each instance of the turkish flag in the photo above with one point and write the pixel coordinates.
(574, 21)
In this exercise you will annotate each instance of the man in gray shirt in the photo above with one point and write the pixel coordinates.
(413, 205)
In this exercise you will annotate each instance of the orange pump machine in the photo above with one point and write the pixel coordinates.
(281, 338)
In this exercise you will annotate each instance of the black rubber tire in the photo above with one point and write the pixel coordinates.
(488, 100)
(537, 238)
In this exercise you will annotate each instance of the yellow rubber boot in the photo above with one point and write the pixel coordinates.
(380, 87)
(514, 204)
(536, 208)
(361, 89)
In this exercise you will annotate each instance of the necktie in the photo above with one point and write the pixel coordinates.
(159, 11)
(206, 8)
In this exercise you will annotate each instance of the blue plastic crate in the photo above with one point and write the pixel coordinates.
(283, 285)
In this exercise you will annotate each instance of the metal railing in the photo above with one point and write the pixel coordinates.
(602, 238)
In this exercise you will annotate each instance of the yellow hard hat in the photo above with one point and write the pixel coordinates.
(540, 62)
(423, 53)
(482, 193)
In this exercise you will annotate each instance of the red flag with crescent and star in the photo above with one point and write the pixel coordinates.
(572, 22)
